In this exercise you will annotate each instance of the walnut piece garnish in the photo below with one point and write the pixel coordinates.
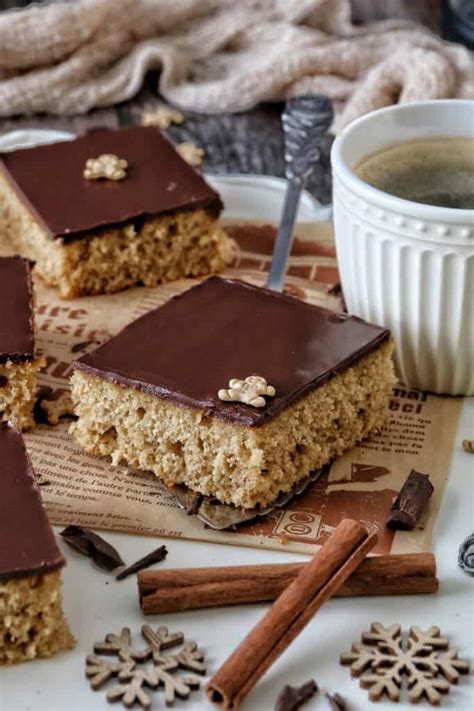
(107, 165)
(162, 116)
(248, 391)
(468, 445)
(191, 153)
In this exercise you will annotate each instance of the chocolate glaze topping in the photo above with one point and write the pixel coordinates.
(50, 181)
(16, 319)
(192, 346)
(27, 544)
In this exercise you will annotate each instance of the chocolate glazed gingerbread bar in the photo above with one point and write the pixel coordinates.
(31, 618)
(110, 210)
(171, 393)
(18, 364)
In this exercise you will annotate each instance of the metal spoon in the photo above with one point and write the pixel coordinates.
(305, 123)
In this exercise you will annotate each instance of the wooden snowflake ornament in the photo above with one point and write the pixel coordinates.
(121, 645)
(427, 661)
(134, 678)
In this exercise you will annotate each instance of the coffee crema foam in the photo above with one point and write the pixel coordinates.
(435, 171)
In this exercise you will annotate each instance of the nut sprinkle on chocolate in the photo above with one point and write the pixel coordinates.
(250, 391)
(90, 544)
(292, 698)
(192, 154)
(107, 165)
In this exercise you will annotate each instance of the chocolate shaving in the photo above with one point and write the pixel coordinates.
(410, 502)
(93, 546)
(155, 556)
(292, 698)
(196, 502)
(336, 702)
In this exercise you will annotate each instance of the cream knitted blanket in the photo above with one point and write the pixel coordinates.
(219, 55)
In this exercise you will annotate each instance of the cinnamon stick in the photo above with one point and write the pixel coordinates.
(191, 588)
(290, 613)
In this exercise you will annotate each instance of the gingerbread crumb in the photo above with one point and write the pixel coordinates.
(162, 116)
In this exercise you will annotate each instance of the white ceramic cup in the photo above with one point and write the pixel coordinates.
(406, 265)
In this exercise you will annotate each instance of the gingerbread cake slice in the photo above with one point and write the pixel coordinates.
(32, 623)
(110, 210)
(18, 363)
(166, 394)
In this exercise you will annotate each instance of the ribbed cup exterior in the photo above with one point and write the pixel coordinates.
(416, 277)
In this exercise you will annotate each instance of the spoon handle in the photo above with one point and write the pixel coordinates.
(305, 123)
(282, 248)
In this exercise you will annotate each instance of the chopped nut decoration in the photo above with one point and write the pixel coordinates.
(162, 116)
(191, 153)
(107, 165)
(468, 445)
(248, 391)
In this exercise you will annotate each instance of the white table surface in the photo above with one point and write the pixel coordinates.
(96, 604)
